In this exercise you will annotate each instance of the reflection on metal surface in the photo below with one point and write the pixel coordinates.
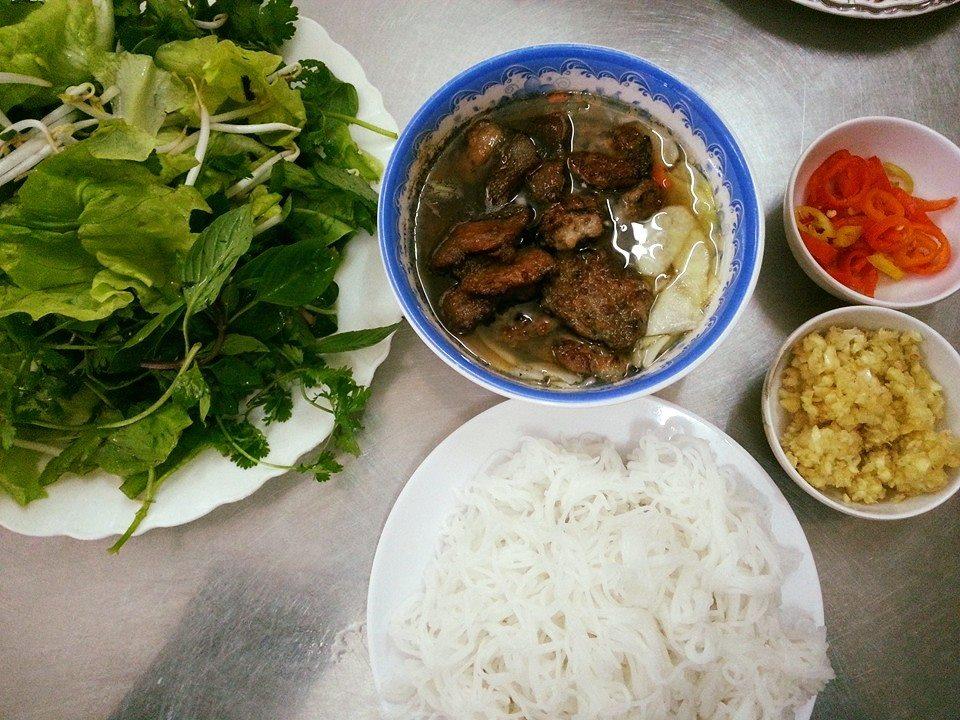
(247, 648)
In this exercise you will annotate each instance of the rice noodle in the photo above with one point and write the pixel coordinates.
(572, 585)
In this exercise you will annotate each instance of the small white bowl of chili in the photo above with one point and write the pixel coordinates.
(913, 159)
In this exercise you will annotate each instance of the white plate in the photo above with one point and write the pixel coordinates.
(877, 9)
(411, 532)
(93, 507)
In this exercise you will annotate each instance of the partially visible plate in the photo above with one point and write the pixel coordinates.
(93, 507)
(412, 530)
(877, 9)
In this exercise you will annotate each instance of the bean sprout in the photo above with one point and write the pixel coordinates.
(238, 113)
(28, 149)
(9, 78)
(188, 142)
(167, 147)
(267, 224)
(253, 129)
(36, 149)
(261, 172)
(84, 98)
(109, 94)
(218, 22)
(81, 125)
(287, 71)
(19, 127)
(84, 91)
(26, 164)
(58, 114)
(203, 141)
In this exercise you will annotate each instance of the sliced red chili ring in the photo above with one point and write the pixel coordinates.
(885, 235)
(879, 204)
(849, 178)
(921, 247)
(822, 251)
(938, 263)
(934, 205)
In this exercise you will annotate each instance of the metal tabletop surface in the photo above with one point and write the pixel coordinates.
(236, 616)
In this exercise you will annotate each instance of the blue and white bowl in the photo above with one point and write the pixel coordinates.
(662, 100)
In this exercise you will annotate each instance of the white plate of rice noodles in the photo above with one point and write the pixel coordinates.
(594, 564)
(877, 9)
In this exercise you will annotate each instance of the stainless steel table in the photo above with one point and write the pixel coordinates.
(233, 617)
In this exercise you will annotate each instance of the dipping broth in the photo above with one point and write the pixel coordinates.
(564, 241)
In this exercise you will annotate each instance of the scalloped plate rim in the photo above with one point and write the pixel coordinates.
(888, 11)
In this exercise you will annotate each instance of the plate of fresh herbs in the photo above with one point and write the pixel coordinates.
(191, 299)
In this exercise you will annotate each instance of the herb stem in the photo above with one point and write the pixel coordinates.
(38, 447)
(244, 453)
(53, 426)
(242, 310)
(148, 499)
(119, 386)
(96, 391)
(361, 123)
(185, 328)
(56, 328)
(187, 361)
(313, 401)
(78, 348)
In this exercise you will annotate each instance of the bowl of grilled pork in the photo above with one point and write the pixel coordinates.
(570, 224)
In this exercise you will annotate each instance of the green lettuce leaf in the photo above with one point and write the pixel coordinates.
(39, 259)
(225, 73)
(118, 140)
(221, 70)
(147, 93)
(115, 228)
(58, 42)
(20, 475)
(72, 301)
(139, 233)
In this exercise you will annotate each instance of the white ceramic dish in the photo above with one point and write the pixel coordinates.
(93, 507)
(942, 361)
(876, 9)
(934, 163)
(411, 532)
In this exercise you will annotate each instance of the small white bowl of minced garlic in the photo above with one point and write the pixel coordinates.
(861, 409)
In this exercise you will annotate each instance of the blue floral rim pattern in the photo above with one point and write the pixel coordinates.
(602, 63)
